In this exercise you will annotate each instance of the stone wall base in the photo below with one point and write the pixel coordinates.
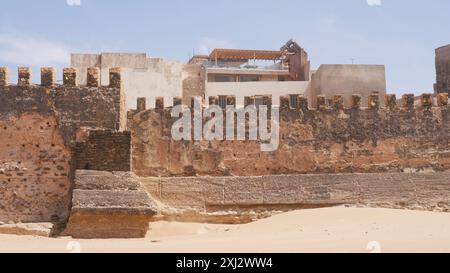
(106, 226)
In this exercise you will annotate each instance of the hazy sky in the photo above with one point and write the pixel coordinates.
(402, 34)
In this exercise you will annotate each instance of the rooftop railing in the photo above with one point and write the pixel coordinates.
(247, 66)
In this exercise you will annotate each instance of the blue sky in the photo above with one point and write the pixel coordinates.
(402, 34)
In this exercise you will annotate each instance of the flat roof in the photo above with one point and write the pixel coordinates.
(243, 54)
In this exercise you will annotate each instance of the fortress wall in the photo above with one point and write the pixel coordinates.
(35, 167)
(38, 128)
(104, 150)
(93, 106)
(326, 139)
(425, 191)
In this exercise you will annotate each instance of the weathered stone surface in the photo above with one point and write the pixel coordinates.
(237, 193)
(109, 205)
(70, 76)
(93, 77)
(4, 76)
(112, 202)
(35, 170)
(185, 190)
(100, 180)
(115, 77)
(39, 124)
(25, 76)
(107, 226)
(48, 76)
(74, 106)
(324, 140)
(425, 191)
(30, 229)
(104, 150)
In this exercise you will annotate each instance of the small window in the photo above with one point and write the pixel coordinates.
(223, 101)
(329, 102)
(225, 78)
(259, 100)
(282, 78)
(249, 78)
(293, 100)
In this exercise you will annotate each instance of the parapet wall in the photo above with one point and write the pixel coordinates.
(75, 106)
(326, 139)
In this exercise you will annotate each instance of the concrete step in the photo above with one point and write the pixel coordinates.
(109, 205)
(27, 229)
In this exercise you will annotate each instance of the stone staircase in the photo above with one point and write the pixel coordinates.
(109, 205)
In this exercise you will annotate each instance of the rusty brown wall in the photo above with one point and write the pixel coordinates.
(104, 150)
(328, 139)
(34, 170)
(424, 191)
(75, 106)
(39, 125)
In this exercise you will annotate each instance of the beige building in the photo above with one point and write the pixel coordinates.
(240, 73)
(142, 76)
(234, 72)
(347, 79)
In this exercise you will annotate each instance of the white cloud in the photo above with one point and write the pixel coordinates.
(73, 2)
(21, 49)
(374, 3)
(206, 45)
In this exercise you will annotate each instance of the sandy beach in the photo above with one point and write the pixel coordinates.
(360, 230)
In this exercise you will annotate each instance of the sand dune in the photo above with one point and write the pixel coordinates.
(319, 230)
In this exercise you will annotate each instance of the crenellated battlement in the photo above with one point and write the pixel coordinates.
(70, 77)
(389, 135)
(75, 106)
(336, 103)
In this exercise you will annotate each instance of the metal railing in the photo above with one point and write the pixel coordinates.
(246, 66)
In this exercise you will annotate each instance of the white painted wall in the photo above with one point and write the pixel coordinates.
(142, 76)
(244, 89)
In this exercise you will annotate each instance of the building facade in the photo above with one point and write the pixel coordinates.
(233, 72)
(143, 76)
(346, 80)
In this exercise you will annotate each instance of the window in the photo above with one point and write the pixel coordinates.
(282, 78)
(249, 78)
(224, 78)
(293, 100)
(259, 100)
(223, 101)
